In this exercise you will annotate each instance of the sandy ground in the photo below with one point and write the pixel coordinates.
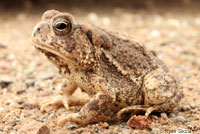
(27, 77)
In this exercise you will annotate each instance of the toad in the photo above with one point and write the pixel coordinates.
(117, 72)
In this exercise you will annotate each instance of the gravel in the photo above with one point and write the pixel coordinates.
(180, 119)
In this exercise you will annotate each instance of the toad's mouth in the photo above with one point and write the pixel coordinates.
(47, 50)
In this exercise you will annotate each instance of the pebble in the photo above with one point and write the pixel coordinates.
(193, 106)
(34, 127)
(30, 83)
(171, 115)
(21, 91)
(104, 124)
(185, 108)
(125, 131)
(13, 123)
(155, 132)
(179, 119)
(5, 84)
(71, 125)
(29, 71)
(47, 75)
(164, 115)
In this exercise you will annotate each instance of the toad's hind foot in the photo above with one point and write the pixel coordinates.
(62, 100)
(135, 109)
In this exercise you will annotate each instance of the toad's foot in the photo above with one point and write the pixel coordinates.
(62, 100)
(99, 108)
(136, 109)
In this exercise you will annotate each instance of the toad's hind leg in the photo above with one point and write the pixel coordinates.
(66, 99)
(161, 94)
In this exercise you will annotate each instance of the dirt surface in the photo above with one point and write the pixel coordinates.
(27, 77)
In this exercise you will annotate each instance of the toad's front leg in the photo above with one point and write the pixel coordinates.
(97, 109)
(66, 99)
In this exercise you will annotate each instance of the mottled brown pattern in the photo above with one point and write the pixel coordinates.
(70, 44)
(93, 105)
(117, 72)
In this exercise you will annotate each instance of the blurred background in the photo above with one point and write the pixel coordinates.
(170, 28)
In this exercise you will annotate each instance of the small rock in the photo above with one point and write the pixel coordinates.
(104, 124)
(30, 83)
(180, 119)
(193, 106)
(47, 75)
(125, 131)
(6, 81)
(20, 91)
(29, 72)
(71, 125)
(29, 106)
(171, 115)
(5, 84)
(155, 132)
(139, 122)
(185, 108)
(190, 127)
(13, 123)
(34, 127)
(164, 115)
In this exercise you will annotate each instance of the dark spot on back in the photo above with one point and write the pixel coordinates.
(67, 69)
(70, 44)
(93, 105)
(105, 40)
(89, 35)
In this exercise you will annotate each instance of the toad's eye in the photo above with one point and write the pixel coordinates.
(62, 28)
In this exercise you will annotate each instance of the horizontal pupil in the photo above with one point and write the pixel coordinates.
(61, 26)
